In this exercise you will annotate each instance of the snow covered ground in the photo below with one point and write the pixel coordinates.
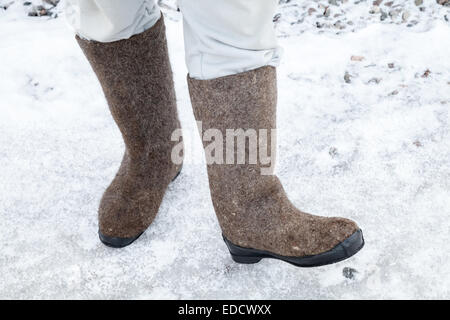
(366, 137)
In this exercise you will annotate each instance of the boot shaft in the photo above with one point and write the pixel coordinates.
(136, 78)
(241, 109)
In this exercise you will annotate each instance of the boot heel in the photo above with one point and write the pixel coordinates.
(245, 260)
(242, 255)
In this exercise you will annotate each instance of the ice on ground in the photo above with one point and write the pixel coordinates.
(367, 138)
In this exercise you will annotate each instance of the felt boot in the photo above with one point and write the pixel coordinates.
(136, 78)
(256, 217)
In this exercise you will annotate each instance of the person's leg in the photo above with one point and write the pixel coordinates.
(111, 20)
(136, 78)
(256, 217)
(228, 37)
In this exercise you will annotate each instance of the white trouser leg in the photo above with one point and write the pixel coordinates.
(111, 20)
(222, 37)
(225, 37)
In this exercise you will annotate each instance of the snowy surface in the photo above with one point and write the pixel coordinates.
(374, 148)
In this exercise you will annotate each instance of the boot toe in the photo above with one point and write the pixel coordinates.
(118, 220)
(117, 242)
(341, 228)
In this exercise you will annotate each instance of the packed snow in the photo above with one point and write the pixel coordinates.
(364, 133)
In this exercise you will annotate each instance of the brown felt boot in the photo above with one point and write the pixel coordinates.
(256, 217)
(136, 78)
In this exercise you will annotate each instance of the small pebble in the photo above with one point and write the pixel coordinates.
(333, 152)
(394, 93)
(405, 16)
(349, 273)
(339, 25)
(426, 74)
(375, 80)
(374, 9)
(412, 23)
(277, 17)
(347, 77)
(357, 58)
(52, 2)
(394, 13)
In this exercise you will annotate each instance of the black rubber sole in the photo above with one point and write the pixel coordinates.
(342, 251)
(118, 243)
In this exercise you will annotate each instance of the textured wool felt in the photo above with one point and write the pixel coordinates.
(253, 209)
(136, 78)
